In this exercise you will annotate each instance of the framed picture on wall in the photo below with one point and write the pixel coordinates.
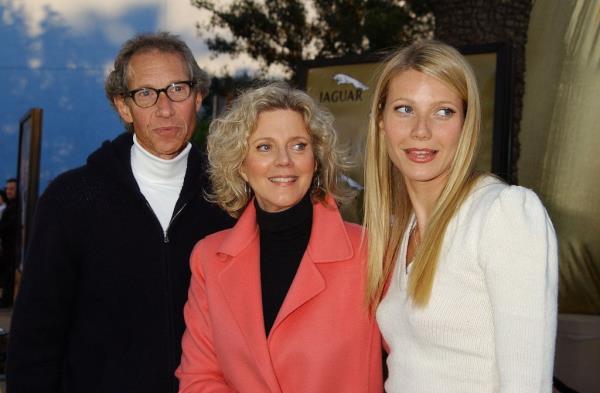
(492, 66)
(344, 86)
(28, 174)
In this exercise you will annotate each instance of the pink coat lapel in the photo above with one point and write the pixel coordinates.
(240, 280)
(328, 243)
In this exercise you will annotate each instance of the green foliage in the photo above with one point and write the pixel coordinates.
(201, 131)
(230, 85)
(281, 32)
(222, 90)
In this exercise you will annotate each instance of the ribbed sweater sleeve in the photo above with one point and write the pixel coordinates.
(519, 257)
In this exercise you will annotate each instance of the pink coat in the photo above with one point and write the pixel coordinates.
(322, 340)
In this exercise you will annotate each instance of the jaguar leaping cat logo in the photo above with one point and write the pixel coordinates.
(343, 79)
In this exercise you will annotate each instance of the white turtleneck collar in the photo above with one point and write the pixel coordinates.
(156, 168)
(160, 180)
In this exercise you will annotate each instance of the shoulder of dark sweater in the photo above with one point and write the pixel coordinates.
(103, 165)
(107, 178)
(109, 166)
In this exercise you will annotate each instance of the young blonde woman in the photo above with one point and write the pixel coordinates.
(462, 268)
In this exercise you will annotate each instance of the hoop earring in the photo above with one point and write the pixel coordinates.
(248, 190)
(317, 182)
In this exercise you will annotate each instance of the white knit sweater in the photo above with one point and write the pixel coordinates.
(490, 324)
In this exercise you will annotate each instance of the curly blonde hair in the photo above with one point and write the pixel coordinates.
(228, 145)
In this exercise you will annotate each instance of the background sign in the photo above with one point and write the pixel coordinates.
(30, 138)
(345, 87)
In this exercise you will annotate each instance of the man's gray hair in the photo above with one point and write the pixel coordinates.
(116, 81)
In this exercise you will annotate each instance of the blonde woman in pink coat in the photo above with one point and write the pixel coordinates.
(276, 303)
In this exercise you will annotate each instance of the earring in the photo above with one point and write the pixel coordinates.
(317, 182)
(248, 189)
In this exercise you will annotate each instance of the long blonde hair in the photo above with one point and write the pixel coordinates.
(387, 205)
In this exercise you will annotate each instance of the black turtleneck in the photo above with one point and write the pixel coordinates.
(283, 240)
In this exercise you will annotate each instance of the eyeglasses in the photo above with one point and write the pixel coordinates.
(146, 97)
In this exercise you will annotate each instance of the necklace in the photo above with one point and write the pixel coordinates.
(413, 243)
(414, 235)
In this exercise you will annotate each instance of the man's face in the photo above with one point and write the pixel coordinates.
(164, 128)
(11, 190)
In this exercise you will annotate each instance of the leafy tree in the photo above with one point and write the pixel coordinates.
(286, 32)
(222, 91)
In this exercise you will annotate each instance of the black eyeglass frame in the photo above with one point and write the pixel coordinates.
(131, 93)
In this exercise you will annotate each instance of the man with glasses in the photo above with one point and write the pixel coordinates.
(105, 279)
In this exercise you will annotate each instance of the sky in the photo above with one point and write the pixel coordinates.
(55, 54)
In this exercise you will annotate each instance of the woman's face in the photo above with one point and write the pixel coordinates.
(280, 163)
(422, 121)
